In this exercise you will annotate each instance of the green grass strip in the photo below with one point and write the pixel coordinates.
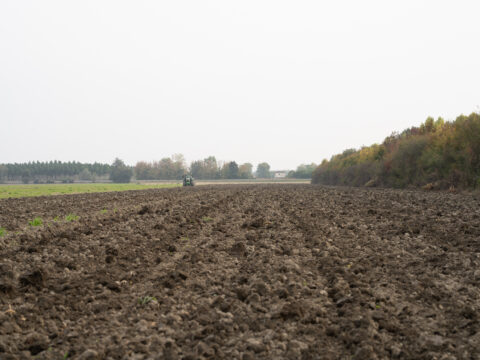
(19, 191)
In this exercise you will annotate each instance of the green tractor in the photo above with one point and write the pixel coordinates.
(188, 180)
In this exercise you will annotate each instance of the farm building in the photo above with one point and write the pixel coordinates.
(280, 174)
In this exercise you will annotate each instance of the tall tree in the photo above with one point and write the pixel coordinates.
(179, 165)
(211, 167)
(263, 171)
(197, 169)
(245, 171)
(232, 170)
(120, 172)
(143, 171)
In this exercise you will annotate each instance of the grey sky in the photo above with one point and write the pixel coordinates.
(286, 82)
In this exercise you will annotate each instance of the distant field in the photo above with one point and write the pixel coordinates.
(17, 191)
(235, 181)
(252, 181)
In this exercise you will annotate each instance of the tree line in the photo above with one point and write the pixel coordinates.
(206, 169)
(437, 154)
(167, 168)
(52, 171)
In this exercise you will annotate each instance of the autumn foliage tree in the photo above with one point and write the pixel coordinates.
(438, 153)
(168, 168)
(245, 171)
(206, 169)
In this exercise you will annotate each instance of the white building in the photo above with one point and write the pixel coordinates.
(280, 174)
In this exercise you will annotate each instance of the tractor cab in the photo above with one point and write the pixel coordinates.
(188, 180)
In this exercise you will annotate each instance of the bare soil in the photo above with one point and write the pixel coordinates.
(242, 272)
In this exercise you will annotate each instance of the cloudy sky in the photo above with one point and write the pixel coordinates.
(286, 82)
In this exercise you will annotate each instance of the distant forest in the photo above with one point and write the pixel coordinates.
(168, 168)
(52, 171)
(436, 155)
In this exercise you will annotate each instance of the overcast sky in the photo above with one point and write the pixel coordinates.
(286, 82)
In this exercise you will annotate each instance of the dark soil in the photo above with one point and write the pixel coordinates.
(242, 272)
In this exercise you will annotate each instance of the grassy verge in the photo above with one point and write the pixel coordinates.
(17, 191)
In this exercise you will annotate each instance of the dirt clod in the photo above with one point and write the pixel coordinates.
(35, 343)
(88, 355)
(144, 210)
(238, 249)
(35, 278)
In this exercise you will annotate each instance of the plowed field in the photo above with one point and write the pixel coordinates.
(241, 272)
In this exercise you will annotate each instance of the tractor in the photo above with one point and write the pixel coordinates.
(188, 180)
